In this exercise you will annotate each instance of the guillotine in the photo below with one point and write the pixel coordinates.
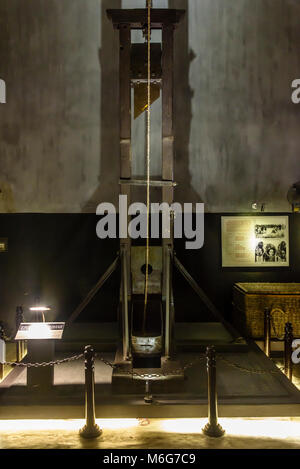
(146, 342)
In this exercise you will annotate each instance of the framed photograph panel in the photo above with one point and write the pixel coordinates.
(255, 241)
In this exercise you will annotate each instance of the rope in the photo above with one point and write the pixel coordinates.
(148, 158)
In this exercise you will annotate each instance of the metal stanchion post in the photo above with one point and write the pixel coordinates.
(19, 320)
(267, 332)
(212, 428)
(288, 340)
(90, 430)
(148, 397)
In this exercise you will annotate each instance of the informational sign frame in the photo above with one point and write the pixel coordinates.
(255, 241)
(40, 330)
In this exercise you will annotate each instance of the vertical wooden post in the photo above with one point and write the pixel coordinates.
(167, 111)
(167, 166)
(125, 171)
(125, 101)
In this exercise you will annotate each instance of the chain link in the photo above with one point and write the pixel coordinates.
(106, 362)
(43, 364)
(188, 365)
(135, 374)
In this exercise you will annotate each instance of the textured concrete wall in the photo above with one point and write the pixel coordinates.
(244, 141)
(237, 130)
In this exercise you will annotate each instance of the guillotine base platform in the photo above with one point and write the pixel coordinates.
(168, 378)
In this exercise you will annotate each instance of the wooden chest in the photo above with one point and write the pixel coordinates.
(251, 299)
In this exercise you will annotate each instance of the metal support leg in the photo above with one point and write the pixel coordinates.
(90, 430)
(93, 292)
(213, 428)
(19, 320)
(125, 318)
(168, 304)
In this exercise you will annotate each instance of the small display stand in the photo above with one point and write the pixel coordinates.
(40, 338)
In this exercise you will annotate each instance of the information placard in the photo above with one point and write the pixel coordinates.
(40, 330)
(255, 241)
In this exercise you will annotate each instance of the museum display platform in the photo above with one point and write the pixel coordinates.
(192, 336)
(241, 393)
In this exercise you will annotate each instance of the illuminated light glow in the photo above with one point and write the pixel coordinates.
(115, 424)
(252, 243)
(63, 425)
(281, 428)
(40, 308)
(39, 330)
(267, 427)
(183, 425)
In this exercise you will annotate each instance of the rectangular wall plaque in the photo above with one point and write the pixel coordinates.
(40, 330)
(255, 241)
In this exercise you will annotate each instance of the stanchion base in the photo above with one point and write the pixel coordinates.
(214, 431)
(90, 432)
(148, 399)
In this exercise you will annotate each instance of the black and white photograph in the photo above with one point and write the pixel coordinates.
(270, 252)
(270, 231)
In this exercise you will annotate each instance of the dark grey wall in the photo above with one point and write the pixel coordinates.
(236, 127)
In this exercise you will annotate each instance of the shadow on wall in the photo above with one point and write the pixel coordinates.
(183, 96)
(108, 188)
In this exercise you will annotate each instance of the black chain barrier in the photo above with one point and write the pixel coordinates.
(175, 372)
(42, 364)
(92, 430)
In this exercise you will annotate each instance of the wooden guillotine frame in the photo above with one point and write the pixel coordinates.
(152, 343)
(132, 73)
